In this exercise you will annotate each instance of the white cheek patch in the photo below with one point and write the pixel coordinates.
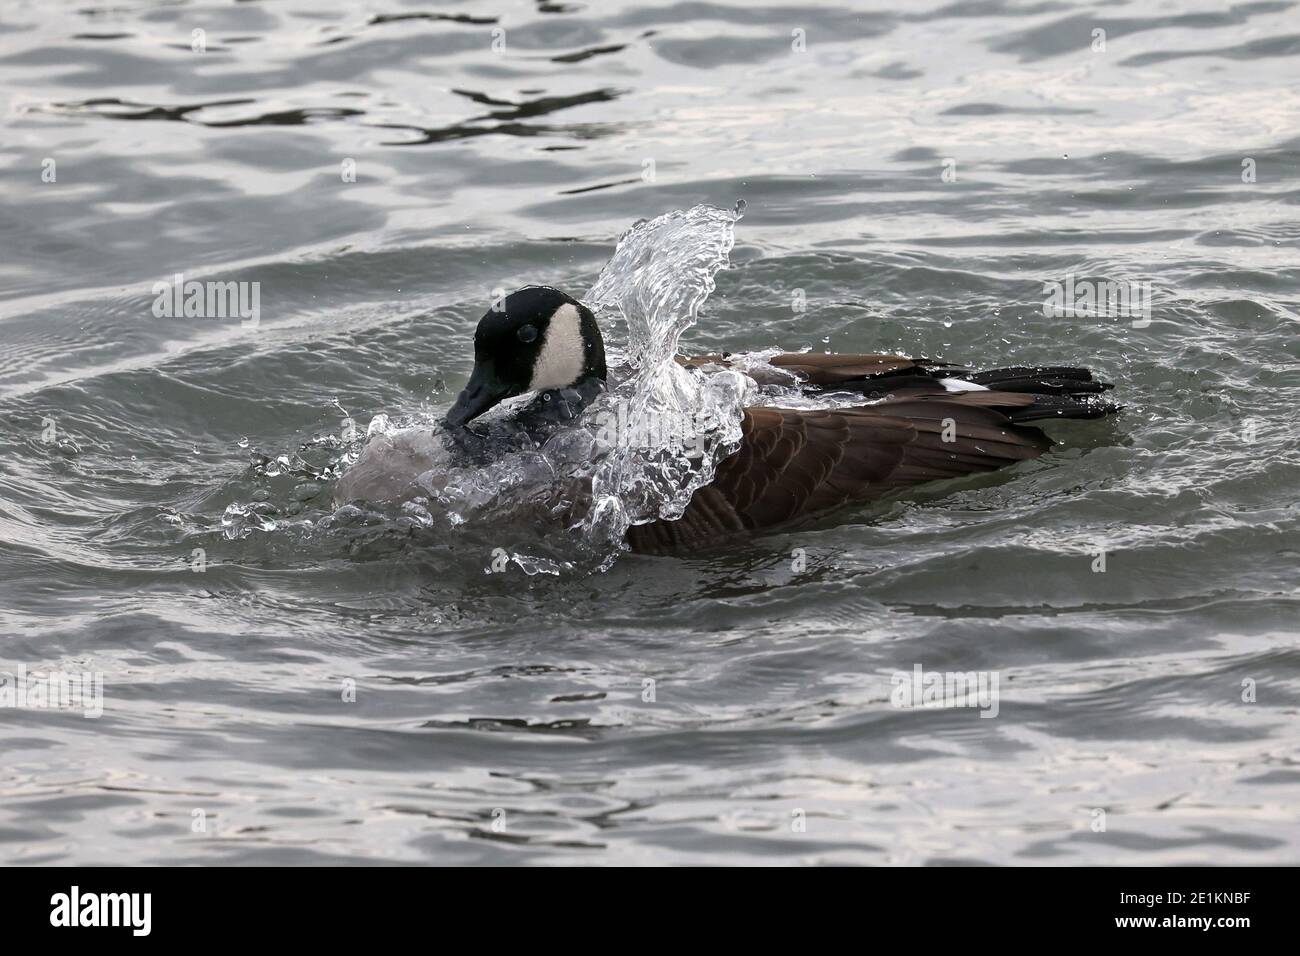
(562, 356)
(957, 385)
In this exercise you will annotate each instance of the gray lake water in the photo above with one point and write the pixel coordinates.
(920, 173)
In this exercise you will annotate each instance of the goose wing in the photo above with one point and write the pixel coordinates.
(796, 462)
(830, 369)
(879, 375)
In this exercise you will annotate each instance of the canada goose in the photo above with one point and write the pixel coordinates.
(928, 420)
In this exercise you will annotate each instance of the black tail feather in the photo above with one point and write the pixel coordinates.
(1045, 379)
(1060, 391)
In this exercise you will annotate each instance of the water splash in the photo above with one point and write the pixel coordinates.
(662, 272)
(562, 502)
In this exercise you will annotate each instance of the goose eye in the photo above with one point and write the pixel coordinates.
(527, 333)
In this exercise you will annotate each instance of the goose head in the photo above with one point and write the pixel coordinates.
(535, 339)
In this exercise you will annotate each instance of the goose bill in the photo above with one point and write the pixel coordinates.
(483, 391)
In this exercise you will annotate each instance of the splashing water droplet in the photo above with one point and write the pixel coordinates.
(659, 277)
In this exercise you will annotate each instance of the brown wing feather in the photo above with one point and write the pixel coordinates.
(822, 369)
(795, 462)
